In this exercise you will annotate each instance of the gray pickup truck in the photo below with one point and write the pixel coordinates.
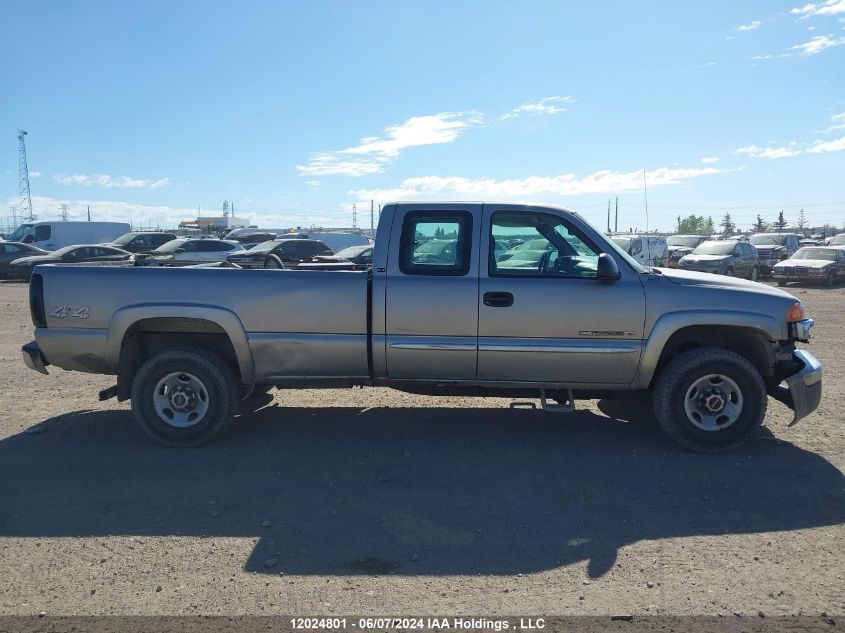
(462, 299)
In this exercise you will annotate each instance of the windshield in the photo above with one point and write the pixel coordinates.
(622, 242)
(123, 240)
(715, 248)
(170, 246)
(352, 251)
(768, 240)
(828, 254)
(434, 246)
(263, 247)
(18, 233)
(683, 240)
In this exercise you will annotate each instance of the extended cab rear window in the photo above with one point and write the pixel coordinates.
(436, 243)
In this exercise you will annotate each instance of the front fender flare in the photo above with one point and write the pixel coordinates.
(670, 323)
(124, 318)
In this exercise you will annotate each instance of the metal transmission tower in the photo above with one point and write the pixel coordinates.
(25, 205)
(64, 212)
(354, 216)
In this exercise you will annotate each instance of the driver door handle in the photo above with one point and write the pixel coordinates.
(498, 299)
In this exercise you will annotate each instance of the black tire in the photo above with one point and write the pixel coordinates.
(677, 378)
(729, 272)
(273, 261)
(830, 280)
(220, 395)
(246, 392)
(755, 274)
(781, 283)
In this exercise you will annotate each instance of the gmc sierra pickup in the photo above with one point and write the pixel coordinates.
(482, 299)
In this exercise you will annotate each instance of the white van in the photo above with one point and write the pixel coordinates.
(649, 250)
(54, 235)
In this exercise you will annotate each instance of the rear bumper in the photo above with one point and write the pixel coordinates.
(33, 359)
(803, 390)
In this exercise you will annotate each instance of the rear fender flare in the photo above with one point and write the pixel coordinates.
(125, 318)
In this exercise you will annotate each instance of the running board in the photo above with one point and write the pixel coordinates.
(560, 407)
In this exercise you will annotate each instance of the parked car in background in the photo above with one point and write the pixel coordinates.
(335, 240)
(360, 256)
(824, 264)
(80, 253)
(680, 245)
(53, 235)
(186, 251)
(723, 257)
(10, 251)
(651, 250)
(142, 241)
(837, 240)
(809, 242)
(774, 247)
(280, 253)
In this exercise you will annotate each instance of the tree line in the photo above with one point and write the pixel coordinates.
(701, 225)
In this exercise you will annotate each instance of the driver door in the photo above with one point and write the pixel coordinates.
(551, 320)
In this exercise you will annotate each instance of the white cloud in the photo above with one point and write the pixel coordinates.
(710, 160)
(838, 117)
(750, 26)
(758, 58)
(110, 182)
(830, 7)
(545, 106)
(312, 183)
(373, 154)
(35, 174)
(823, 147)
(767, 152)
(462, 188)
(818, 44)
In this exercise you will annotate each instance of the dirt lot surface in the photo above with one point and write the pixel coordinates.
(370, 501)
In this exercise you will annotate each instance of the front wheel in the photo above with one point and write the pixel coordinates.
(273, 262)
(184, 397)
(755, 273)
(709, 399)
(729, 272)
(830, 280)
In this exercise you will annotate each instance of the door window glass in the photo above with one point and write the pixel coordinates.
(43, 233)
(539, 245)
(436, 243)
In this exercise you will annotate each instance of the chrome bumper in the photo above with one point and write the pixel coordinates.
(801, 330)
(803, 391)
(33, 359)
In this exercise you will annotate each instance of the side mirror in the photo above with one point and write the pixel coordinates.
(606, 268)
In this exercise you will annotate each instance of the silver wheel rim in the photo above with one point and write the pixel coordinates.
(729, 272)
(272, 263)
(713, 402)
(754, 274)
(180, 400)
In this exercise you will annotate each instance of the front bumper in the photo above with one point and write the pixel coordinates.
(33, 358)
(791, 275)
(803, 390)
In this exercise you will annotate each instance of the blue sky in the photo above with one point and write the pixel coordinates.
(295, 111)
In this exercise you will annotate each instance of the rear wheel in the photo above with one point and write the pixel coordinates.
(729, 272)
(830, 280)
(781, 283)
(184, 397)
(709, 399)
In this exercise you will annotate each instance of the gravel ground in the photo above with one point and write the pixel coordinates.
(370, 501)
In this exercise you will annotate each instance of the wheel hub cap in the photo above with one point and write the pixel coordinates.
(713, 402)
(180, 399)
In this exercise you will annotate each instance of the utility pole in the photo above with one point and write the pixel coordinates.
(645, 194)
(616, 221)
(608, 216)
(354, 216)
(89, 212)
(25, 204)
(372, 218)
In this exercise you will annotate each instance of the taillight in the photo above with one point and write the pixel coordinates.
(36, 301)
